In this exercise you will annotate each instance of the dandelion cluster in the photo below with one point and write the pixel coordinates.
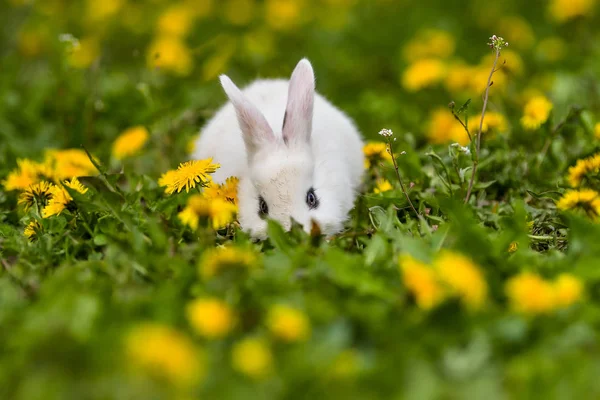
(451, 275)
(529, 293)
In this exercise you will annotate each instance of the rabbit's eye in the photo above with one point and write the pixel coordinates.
(263, 208)
(311, 199)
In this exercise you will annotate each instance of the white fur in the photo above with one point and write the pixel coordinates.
(319, 147)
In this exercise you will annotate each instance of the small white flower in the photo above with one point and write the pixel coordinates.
(462, 149)
(497, 42)
(386, 133)
(68, 38)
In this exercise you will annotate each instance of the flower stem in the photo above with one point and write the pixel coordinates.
(391, 150)
(478, 142)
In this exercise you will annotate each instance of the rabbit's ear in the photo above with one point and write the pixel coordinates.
(297, 123)
(256, 131)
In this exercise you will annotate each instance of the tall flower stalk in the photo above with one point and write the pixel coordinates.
(387, 135)
(497, 43)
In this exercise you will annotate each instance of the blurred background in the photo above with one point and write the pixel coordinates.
(79, 72)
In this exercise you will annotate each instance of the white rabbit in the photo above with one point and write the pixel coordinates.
(296, 155)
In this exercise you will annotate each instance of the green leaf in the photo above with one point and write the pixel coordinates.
(279, 237)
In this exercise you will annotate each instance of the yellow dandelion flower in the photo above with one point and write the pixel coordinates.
(176, 20)
(537, 110)
(564, 10)
(171, 54)
(530, 294)
(130, 142)
(32, 229)
(444, 128)
(239, 12)
(512, 247)
(69, 163)
(215, 261)
(283, 14)
(74, 184)
(568, 290)
(382, 185)
(463, 277)
(164, 352)
(197, 208)
(376, 149)
(188, 175)
(26, 174)
(584, 168)
(39, 193)
(252, 357)
(84, 55)
(585, 199)
(221, 212)
(597, 130)
(375, 152)
(422, 74)
(225, 191)
(60, 199)
(288, 324)
(210, 317)
(167, 180)
(429, 43)
(421, 280)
